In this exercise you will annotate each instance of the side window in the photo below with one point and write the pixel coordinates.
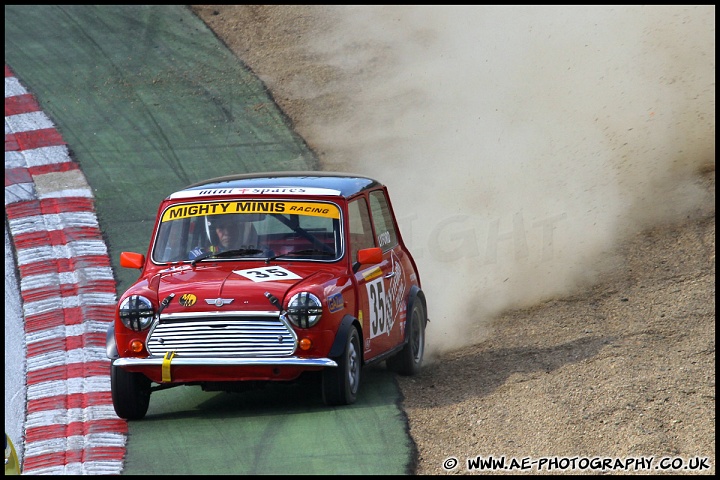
(383, 221)
(361, 235)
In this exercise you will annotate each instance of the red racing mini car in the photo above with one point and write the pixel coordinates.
(264, 277)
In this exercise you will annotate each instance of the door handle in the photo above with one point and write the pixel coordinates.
(390, 275)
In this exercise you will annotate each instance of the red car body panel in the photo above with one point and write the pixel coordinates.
(230, 319)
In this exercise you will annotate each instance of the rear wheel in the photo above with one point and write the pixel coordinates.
(130, 393)
(340, 384)
(409, 360)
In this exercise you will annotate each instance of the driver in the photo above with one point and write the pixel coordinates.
(227, 232)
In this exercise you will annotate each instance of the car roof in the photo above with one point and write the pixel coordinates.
(347, 184)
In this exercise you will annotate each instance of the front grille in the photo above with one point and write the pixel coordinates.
(222, 336)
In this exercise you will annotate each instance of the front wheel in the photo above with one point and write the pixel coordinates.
(409, 360)
(340, 384)
(130, 393)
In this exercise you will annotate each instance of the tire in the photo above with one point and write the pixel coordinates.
(130, 393)
(340, 384)
(408, 361)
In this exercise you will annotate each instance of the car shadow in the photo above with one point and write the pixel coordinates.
(378, 388)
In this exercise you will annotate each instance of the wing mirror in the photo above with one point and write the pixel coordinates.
(367, 256)
(132, 260)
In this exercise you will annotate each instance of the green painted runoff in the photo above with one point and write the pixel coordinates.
(149, 101)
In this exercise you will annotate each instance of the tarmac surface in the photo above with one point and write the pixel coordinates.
(146, 101)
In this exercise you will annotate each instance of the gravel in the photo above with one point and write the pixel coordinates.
(622, 369)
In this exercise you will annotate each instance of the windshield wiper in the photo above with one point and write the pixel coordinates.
(306, 251)
(237, 252)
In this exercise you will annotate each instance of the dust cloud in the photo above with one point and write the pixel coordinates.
(520, 143)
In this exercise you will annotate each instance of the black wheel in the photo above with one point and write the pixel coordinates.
(409, 360)
(340, 384)
(130, 393)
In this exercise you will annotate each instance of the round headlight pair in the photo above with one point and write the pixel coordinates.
(304, 309)
(136, 312)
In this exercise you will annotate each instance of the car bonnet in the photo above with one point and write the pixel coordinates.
(209, 288)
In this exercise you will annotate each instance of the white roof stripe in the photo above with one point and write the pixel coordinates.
(201, 194)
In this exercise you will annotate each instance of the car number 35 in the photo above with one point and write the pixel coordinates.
(267, 274)
(380, 309)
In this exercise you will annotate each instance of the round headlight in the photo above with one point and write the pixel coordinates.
(136, 312)
(304, 309)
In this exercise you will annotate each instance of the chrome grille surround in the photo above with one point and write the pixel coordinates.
(239, 334)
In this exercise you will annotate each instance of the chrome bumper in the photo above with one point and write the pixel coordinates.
(226, 362)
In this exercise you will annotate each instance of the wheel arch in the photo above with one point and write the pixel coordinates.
(416, 295)
(338, 345)
(110, 345)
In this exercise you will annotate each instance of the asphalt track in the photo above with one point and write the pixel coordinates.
(148, 100)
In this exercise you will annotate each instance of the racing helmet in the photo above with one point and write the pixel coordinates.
(213, 221)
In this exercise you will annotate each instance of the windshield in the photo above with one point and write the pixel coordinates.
(249, 229)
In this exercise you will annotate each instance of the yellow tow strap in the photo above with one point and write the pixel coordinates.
(166, 366)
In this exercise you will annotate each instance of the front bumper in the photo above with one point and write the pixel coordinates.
(179, 369)
(226, 362)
